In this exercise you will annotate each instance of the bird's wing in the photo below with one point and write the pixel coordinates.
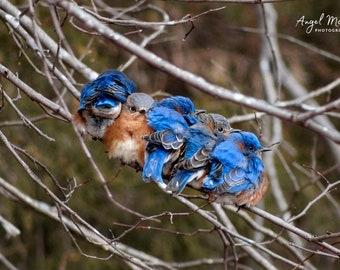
(167, 138)
(181, 178)
(153, 167)
(199, 160)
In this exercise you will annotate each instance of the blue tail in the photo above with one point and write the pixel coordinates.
(181, 179)
(210, 184)
(153, 166)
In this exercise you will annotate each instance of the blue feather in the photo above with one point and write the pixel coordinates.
(170, 119)
(111, 86)
(152, 170)
(236, 164)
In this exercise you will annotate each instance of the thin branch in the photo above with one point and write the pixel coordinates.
(7, 263)
(291, 39)
(270, 233)
(149, 38)
(137, 226)
(284, 224)
(102, 178)
(334, 105)
(222, 215)
(25, 120)
(316, 199)
(11, 230)
(21, 123)
(167, 22)
(14, 14)
(246, 244)
(315, 252)
(127, 253)
(298, 101)
(31, 93)
(328, 235)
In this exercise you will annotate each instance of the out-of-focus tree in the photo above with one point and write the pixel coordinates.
(271, 67)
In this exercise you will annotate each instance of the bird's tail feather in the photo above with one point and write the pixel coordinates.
(153, 167)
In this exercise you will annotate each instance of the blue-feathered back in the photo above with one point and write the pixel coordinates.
(236, 164)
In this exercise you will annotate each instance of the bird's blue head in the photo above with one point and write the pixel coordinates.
(247, 142)
(181, 104)
(117, 83)
(110, 87)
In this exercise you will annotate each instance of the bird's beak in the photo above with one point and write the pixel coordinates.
(199, 111)
(235, 130)
(228, 131)
(269, 148)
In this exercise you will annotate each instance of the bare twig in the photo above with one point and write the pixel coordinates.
(25, 120)
(11, 230)
(40, 99)
(316, 199)
(284, 224)
(7, 263)
(298, 101)
(102, 178)
(127, 253)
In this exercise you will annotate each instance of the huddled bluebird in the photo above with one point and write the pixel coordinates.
(101, 101)
(199, 140)
(171, 140)
(123, 139)
(237, 173)
(221, 124)
(169, 118)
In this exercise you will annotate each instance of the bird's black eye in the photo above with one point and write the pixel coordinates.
(133, 109)
(251, 148)
(220, 129)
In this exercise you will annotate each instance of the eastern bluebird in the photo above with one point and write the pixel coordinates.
(169, 118)
(101, 101)
(199, 140)
(221, 124)
(217, 123)
(123, 139)
(237, 173)
(180, 104)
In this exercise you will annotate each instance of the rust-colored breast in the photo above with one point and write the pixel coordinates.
(123, 139)
(253, 196)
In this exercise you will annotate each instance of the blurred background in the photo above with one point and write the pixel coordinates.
(224, 47)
